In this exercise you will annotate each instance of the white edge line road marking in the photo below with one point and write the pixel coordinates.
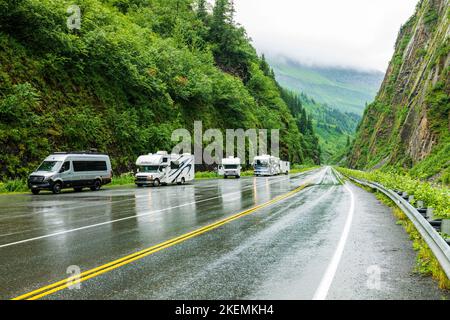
(122, 219)
(327, 280)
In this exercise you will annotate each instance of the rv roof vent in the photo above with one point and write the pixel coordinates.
(162, 153)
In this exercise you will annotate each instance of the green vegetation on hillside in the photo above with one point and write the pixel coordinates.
(134, 72)
(346, 90)
(334, 126)
(335, 129)
(407, 128)
(305, 124)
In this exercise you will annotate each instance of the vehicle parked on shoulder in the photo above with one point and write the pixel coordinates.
(285, 167)
(75, 170)
(266, 165)
(230, 167)
(163, 169)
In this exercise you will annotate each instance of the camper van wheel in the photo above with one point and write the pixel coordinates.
(35, 191)
(183, 181)
(97, 185)
(226, 177)
(238, 177)
(156, 183)
(57, 188)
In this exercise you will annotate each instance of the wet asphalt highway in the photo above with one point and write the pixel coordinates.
(281, 251)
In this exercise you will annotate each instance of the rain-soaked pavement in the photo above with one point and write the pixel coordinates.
(278, 252)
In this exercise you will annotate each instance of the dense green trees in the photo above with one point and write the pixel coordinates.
(137, 70)
(310, 142)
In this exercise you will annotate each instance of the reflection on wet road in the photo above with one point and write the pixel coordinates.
(280, 251)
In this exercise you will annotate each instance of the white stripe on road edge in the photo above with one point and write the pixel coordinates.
(130, 217)
(327, 280)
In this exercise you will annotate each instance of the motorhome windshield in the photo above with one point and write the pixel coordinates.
(260, 163)
(149, 169)
(230, 166)
(49, 166)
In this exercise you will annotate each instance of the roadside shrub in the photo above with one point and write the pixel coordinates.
(435, 197)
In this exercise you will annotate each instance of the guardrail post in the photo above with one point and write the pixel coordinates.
(419, 204)
(446, 227)
(423, 221)
(430, 213)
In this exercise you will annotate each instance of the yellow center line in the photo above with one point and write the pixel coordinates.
(71, 281)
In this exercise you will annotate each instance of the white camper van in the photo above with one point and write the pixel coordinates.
(163, 168)
(285, 167)
(266, 165)
(230, 167)
(75, 170)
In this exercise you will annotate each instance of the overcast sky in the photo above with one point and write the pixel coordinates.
(351, 33)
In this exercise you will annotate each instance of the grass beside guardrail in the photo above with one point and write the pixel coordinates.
(426, 262)
(434, 197)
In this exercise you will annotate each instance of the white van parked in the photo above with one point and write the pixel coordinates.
(230, 167)
(163, 168)
(75, 170)
(285, 167)
(266, 165)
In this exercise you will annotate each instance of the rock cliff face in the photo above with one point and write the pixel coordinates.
(408, 124)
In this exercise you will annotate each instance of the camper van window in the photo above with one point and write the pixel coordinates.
(174, 165)
(149, 169)
(49, 166)
(230, 166)
(87, 166)
(65, 167)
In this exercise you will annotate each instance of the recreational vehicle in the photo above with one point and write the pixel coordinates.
(266, 166)
(163, 169)
(230, 167)
(285, 167)
(75, 170)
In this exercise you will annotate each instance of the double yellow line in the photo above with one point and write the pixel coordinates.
(72, 281)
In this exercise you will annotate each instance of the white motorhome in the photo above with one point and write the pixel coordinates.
(230, 167)
(285, 167)
(163, 169)
(75, 170)
(266, 165)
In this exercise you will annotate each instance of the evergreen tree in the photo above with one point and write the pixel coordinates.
(265, 66)
(202, 12)
(231, 48)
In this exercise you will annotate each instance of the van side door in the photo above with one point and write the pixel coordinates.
(66, 174)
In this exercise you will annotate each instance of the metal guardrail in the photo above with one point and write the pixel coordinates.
(437, 244)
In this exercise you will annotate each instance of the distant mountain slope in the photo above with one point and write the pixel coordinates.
(408, 125)
(346, 89)
(334, 128)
